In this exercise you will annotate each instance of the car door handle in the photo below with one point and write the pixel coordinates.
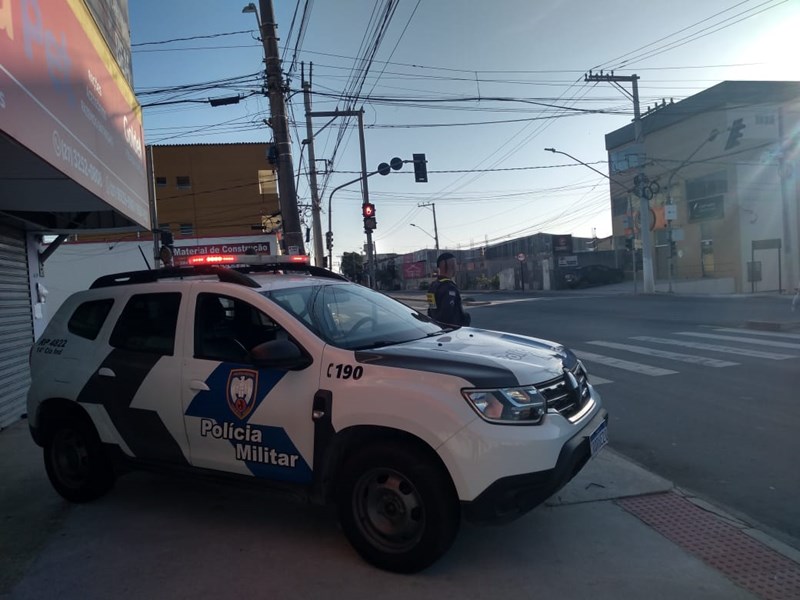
(198, 386)
(106, 372)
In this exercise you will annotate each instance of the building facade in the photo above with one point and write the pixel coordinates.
(719, 170)
(210, 199)
(71, 158)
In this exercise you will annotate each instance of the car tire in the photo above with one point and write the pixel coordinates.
(76, 463)
(397, 507)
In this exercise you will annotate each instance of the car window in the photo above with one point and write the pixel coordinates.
(88, 318)
(352, 316)
(227, 329)
(147, 324)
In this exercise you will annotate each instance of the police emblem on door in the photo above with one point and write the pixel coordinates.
(241, 391)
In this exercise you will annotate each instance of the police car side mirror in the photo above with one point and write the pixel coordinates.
(280, 354)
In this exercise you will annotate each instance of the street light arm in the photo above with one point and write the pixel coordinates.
(554, 151)
(423, 231)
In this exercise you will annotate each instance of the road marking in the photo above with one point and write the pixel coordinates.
(715, 348)
(690, 358)
(789, 336)
(595, 380)
(623, 364)
(730, 338)
(512, 301)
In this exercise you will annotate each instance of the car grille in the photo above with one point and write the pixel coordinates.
(562, 398)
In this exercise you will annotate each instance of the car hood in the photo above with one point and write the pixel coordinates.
(484, 358)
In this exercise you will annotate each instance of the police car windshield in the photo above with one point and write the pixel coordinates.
(352, 316)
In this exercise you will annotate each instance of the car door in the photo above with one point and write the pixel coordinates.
(135, 391)
(242, 418)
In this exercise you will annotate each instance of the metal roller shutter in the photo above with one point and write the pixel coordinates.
(16, 325)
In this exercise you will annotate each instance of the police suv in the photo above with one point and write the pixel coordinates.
(291, 374)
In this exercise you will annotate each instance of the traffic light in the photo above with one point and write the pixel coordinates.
(420, 168)
(329, 240)
(735, 134)
(368, 211)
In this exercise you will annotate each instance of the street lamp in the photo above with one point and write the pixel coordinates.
(436, 241)
(711, 137)
(554, 151)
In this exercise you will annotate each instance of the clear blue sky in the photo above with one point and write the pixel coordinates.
(490, 180)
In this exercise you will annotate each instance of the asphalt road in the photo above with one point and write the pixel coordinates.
(695, 395)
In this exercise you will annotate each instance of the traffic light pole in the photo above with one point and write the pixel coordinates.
(365, 194)
(363, 179)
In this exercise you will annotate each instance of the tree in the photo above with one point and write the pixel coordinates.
(352, 266)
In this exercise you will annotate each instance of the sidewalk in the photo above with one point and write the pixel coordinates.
(615, 532)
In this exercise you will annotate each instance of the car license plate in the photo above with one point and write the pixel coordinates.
(598, 438)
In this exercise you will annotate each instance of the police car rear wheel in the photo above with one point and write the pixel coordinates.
(397, 508)
(75, 462)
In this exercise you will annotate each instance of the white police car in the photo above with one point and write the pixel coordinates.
(314, 383)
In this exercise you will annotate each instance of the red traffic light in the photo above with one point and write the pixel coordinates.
(368, 210)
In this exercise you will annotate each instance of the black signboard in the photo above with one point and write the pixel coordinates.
(706, 209)
(562, 243)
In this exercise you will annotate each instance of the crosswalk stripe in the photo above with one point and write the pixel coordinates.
(595, 380)
(730, 338)
(689, 358)
(715, 348)
(777, 334)
(623, 364)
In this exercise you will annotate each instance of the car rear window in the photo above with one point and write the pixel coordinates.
(88, 318)
(147, 324)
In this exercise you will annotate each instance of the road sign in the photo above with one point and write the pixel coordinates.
(520, 257)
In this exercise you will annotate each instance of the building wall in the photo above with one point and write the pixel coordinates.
(726, 198)
(225, 190)
(231, 187)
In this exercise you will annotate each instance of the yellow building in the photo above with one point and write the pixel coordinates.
(209, 191)
(214, 190)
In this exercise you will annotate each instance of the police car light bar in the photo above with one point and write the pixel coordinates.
(213, 259)
(246, 259)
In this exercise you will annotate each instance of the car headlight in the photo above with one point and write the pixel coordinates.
(521, 405)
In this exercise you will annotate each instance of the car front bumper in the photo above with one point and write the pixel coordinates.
(511, 497)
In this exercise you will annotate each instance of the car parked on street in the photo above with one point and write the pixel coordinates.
(590, 275)
(293, 375)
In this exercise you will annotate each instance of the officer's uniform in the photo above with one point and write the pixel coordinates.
(444, 303)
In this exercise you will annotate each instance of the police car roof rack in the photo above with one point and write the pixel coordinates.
(223, 274)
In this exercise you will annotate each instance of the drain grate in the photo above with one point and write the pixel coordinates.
(742, 559)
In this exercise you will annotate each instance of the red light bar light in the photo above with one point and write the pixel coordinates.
(298, 258)
(212, 259)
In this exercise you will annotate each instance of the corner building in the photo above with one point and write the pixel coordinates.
(727, 159)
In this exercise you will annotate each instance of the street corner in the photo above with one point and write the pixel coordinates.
(609, 476)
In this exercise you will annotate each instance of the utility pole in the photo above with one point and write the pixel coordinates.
(435, 228)
(648, 282)
(316, 223)
(293, 237)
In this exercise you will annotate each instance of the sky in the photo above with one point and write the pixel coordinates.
(481, 88)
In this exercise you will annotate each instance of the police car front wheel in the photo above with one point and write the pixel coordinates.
(76, 463)
(397, 507)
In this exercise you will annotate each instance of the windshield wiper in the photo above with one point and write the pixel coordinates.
(441, 331)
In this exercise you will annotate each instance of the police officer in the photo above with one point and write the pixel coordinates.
(444, 299)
